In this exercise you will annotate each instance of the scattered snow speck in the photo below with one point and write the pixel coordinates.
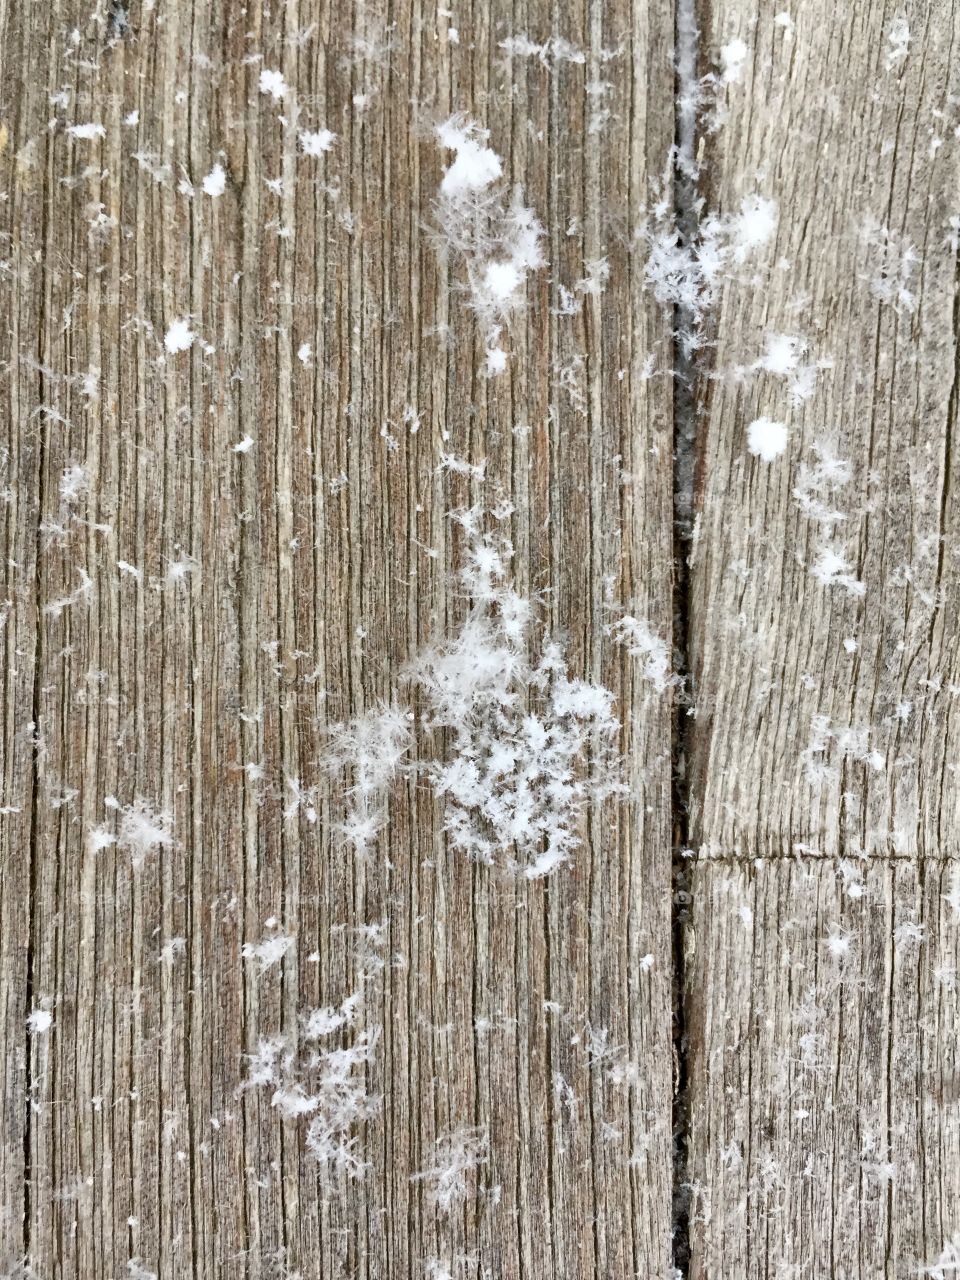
(272, 82)
(766, 439)
(315, 144)
(39, 1021)
(179, 337)
(87, 131)
(215, 183)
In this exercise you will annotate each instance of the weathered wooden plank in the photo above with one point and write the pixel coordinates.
(824, 689)
(228, 405)
(825, 1115)
(820, 998)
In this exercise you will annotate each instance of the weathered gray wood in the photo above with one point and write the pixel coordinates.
(274, 591)
(820, 994)
(825, 1119)
(861, 160)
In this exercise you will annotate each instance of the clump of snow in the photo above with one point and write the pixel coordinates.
(496, 361)
(170, 950)
(733, 57)
(269, 951)
(947, 1265)
(640, 641)
(783, 359)
(831, 568)
(553, 50)
(273, 83)
(491, 231)
(315, 144)
(952, 896)
(752, 227)
(322, 1022)
(457, 1156)
(893, 262)
(339, 1104)
(514, 778)
(475, 165)
(215, 183)
(818, 484)
(831, 745)
(525, 747)
(596, 278)
(100, 838)
(687, 272)
(179, 337)
(815, 493)
(139, 1272)
(143, 829)
(610, 1060)
(321, 1070)
(87, 132)
(74, 483)
(898, 43)
(39, 1021)
(370, 750)
(81, 592)
(782, 355)
(766, 439)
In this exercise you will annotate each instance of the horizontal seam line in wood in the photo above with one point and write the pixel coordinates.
(751, 858)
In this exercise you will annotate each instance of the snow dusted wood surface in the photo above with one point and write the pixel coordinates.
(824, 1069)
(248, 381)
(478, 793)
(822, 943)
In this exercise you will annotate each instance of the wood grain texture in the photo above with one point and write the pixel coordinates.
(820, 947)
(185, 620)
(825, 1114)
(799, 682)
